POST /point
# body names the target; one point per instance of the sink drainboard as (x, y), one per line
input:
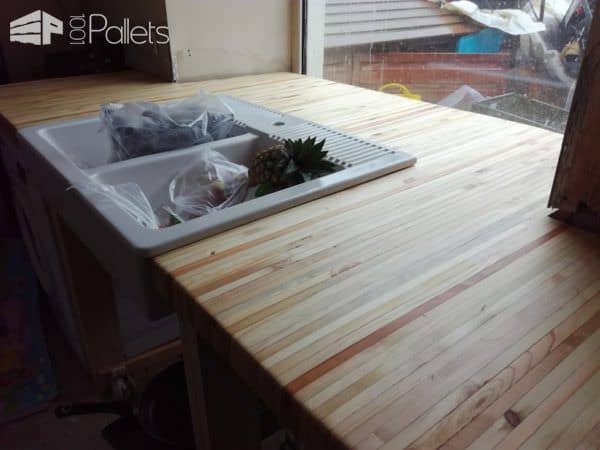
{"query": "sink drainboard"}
(343, 149)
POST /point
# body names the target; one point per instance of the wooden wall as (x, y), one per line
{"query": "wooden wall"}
(576, 190)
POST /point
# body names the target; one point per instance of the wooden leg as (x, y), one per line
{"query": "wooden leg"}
(233, 411)
(195, 383)
(225, 414)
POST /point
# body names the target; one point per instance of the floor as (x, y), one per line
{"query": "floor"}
(42, 431)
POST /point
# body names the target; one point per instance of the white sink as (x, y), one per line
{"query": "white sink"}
(70, 153)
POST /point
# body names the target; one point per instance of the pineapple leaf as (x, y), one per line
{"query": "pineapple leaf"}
(291, 167)
(327, 165)
(263, 189)
(306, 176)
(319, 146)
(308, 154)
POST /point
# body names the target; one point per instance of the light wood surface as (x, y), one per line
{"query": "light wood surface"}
(29, 103)
(431, 308)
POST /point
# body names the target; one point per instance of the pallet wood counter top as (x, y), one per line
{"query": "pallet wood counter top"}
(438, 306)
(435, 307)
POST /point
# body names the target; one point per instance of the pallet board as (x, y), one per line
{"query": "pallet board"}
(438, 306)
(435, 307)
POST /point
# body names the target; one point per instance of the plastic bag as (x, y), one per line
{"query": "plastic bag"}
(462, 98)
(143, 128)
(209, 183)
(128, 197)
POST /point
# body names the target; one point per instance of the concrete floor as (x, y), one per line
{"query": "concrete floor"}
(42, 431)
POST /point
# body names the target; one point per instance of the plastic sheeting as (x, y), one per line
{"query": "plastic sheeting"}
(511, 21)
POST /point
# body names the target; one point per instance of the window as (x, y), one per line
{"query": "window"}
(514, 59)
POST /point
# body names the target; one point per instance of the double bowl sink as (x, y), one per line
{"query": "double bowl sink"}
(72, 153)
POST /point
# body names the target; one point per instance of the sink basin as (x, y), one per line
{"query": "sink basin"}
(71, 153)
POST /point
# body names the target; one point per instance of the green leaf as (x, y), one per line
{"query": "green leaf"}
(263, 189)
(307, 155)
(306, 176)
(327, 165)
(173, 219)
(320, 146)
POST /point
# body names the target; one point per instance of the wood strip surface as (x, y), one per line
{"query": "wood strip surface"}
(416, 311)
(437, 307)
(422, 309)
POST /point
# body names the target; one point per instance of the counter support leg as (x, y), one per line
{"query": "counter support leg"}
(195, 383)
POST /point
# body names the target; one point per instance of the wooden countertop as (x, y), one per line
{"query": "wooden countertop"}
(438, 306)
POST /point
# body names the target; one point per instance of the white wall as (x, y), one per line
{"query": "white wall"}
(219, 38)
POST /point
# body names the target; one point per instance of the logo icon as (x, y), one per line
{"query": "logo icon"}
(35, 28)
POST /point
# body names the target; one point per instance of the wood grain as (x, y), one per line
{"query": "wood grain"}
(416, 310)
(413, 311)
(576, 190)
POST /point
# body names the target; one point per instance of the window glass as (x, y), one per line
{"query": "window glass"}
(515, 59)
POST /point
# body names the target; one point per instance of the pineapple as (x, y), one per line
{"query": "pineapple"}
(269, 165)
(290, 163)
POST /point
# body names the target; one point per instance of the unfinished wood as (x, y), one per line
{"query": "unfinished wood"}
(24, 104)
(90, 296)
(225, 414)
(195, 381)
(576, 190)
(142, 368)
(411, 311)
(92, 301)
(415, 311)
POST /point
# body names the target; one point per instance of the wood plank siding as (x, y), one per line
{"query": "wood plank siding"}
(353, 22)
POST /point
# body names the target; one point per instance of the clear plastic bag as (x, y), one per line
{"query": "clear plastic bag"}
(128, 197)
(462, 98)
(143, 128)
(209, 183)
